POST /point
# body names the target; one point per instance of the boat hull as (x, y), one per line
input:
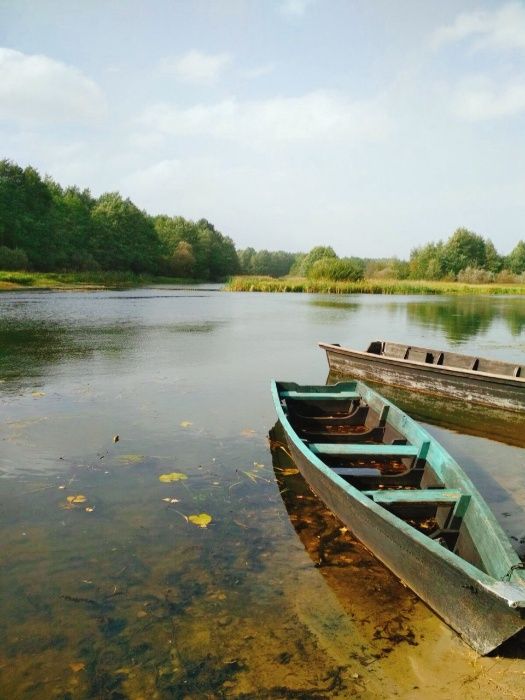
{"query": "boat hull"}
(465, 385)
(459, 599)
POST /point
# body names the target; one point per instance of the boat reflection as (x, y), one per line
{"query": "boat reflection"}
(387, 612)
(507, 427)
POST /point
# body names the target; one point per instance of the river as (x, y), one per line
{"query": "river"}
(111, 588)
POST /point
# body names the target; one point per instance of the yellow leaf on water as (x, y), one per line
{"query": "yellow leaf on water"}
(202, 520)
(248, 432)
(289, 471)
(131, 459)
(77, 666)
(173, 476)
(38, 394)
(186, 424)
(76, 499)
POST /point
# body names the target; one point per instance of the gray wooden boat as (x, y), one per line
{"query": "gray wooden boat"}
(465, 377)
(409, 502)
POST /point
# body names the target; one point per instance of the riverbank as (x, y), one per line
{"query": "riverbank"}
(83, 280)
(367, 286)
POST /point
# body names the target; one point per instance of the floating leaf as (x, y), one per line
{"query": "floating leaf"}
(258, 465)
(186, 424)
(76, 499)
(89, 509)
(248, 432)
(131, 459)
(38, 394)
(116, 438)
(171, 500)
(202, 520)
(173, 476)
(77, 666)
(290, 471)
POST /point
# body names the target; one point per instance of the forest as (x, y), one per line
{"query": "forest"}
(47, 227)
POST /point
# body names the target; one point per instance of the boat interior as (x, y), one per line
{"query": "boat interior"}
(456, 360)
(359, 443)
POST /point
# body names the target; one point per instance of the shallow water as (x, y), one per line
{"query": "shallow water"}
(120, 595)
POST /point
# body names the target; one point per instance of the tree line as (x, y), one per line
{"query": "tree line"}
(44, 226)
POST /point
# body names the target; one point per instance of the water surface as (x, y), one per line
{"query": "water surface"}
(120, 595)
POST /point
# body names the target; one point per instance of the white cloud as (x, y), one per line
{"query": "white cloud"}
(258, 71)
(315, 116)
(294, 8)
(480, 98)
(35, 88)
(197, 67)
(503, 28)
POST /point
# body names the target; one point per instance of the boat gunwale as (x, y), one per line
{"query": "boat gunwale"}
(431, 368)
(513, 595)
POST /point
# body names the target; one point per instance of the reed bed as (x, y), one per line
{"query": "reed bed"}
(82, 280)
(367, 286)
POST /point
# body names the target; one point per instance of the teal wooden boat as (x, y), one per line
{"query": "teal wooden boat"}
(409, 502)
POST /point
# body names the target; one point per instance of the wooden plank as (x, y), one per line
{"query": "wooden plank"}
(439, 497)
(334, 448)
(384, 415)
(356, 471)
(323, 396)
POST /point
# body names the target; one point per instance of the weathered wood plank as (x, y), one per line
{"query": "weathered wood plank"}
(439, 497)
(334, 448)
(324, 396)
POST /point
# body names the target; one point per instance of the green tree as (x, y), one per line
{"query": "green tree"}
(123, 237)
(25, 206)
(515, 261)
(427, 262)
(317, 253)
(464, 249)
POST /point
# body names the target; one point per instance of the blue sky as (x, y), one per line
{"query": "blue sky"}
(372, 126)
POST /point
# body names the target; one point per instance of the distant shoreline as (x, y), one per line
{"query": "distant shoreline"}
(367, 286)
(83, 281)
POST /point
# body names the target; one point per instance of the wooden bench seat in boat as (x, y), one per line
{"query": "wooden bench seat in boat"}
(440, 497)
(455, 500)
(370, 450)
(324, 396)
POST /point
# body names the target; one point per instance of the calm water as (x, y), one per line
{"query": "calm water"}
(118, 594)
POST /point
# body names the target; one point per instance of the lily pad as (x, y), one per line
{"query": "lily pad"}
(173, 476)
(201, 520)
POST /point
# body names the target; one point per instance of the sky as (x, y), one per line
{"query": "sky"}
(372, 126)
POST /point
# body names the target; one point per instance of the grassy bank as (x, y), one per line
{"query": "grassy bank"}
(82, 280)
(368, 286)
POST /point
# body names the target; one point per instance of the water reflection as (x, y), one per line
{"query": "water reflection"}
(461, 318)
(30, 347)
(461, 416)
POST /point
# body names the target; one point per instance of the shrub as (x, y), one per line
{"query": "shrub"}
(344, 269)
(475, 275)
